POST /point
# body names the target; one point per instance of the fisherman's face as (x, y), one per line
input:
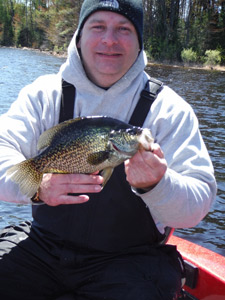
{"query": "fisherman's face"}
(109, 46)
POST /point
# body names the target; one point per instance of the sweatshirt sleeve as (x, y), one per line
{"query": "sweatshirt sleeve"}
(184, 195)
(33, 112)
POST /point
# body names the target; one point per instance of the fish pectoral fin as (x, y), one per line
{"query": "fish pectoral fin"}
(106, 174)
(97, 157)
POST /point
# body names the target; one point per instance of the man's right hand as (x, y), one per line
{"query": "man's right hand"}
(54, 188)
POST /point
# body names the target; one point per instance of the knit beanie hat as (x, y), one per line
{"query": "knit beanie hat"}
(131, 9)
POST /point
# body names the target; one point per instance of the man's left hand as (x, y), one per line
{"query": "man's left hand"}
(146, 168)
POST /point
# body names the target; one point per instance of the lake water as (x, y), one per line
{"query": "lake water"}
(204, 90)
(17, 69)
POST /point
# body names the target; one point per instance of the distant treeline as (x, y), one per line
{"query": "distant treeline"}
(170, 25)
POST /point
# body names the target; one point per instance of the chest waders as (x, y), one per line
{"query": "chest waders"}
(112, 220)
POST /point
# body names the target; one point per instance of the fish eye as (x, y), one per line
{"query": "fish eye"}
(134, 130)
(112, 133)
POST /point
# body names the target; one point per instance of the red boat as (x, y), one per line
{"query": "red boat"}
(205, 271)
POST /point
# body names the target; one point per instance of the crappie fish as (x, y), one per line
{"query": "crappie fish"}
(82, 145)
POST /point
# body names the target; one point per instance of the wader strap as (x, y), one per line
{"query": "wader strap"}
(147, 97)
(67, 101)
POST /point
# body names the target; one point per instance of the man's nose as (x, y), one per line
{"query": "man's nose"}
(110, 37)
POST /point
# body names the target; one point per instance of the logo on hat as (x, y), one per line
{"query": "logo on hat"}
(110, 3)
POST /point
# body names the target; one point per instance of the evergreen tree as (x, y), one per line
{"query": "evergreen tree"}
(170, 25)
(6, 20)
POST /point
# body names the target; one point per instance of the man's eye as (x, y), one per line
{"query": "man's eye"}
(124, 29)
(98, 27)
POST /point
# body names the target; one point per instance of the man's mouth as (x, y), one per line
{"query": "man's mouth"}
(108, 54)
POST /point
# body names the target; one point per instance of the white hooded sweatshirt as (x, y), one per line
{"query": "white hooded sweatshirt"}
(185, 193)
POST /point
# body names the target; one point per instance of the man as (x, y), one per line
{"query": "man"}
(103, 243)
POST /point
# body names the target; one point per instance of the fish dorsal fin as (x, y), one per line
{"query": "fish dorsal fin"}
(48, 135)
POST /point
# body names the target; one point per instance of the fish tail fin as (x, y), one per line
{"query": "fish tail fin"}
(27, 176)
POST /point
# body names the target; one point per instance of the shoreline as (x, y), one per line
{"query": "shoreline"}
(175, 64)
(217, 68)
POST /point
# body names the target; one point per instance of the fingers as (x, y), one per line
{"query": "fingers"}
(67, 199)
(157, 151)
(73, 188)
(55, 188)
(146, 168)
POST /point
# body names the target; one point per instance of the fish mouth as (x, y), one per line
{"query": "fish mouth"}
(121, 148)
(128, 154)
